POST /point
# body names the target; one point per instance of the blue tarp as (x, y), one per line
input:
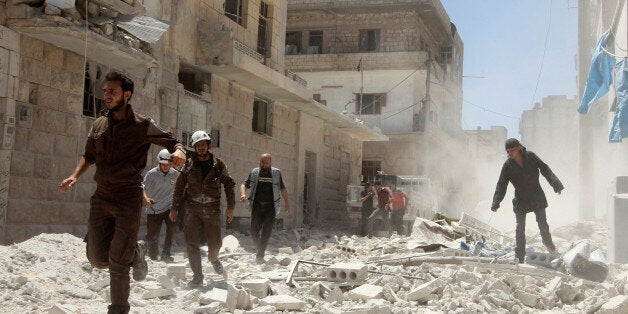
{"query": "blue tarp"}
(619, 128)
(599, 76)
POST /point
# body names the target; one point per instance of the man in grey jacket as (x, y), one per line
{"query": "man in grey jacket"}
(158, 186)
(267, 188)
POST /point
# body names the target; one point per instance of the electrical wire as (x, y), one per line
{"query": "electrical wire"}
(549, 24)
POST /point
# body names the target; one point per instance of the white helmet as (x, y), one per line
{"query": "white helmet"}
(200, 136)
(164, 156)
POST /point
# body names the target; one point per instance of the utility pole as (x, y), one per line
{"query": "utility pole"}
(361, 85)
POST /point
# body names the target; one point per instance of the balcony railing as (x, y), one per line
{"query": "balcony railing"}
(246, 50)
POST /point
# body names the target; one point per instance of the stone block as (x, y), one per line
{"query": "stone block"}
(10, 39)
(283, 302)
(62, 4)
(500, 285)
(5, 61)
(55, 122)
(165, 282)
(65, 146)
(616, 305)
(20, 11)
(421, 292)
(41, 142)
(366, 292)
(258, 287)
(60, 78)
(213, 295)
(176, 270)
(285, 250)
(238, 298)
(349, 272)
(528, 299)
(208, 309)
(43, 167)
(158, 293)
(52, 55)
(22, 164)
(229, 243)
(73, 63)
(48, 97)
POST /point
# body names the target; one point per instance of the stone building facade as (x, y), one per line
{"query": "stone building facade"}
(409, 81)
(207, 68)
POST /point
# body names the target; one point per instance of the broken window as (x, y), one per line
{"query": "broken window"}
(92, 95)
(234, 9)
(293, 43)
(264, 31)
(315, 45)
(261, 116)
(369, 40)
(193, 80)
(370, 169)
(186, 138)
(370, 103)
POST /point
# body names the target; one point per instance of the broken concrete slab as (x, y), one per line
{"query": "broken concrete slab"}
(176, 270)
(64, 309)
(366, 292)
(165, 282)
(237, 298)
(528, 299)
(421, 292)
(158, 293)
(283, 302)
(257, 287)
(213, 295)
(616, 305)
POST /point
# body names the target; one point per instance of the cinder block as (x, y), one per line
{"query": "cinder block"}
(352, 272)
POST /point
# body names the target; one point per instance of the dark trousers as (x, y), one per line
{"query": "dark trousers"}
(364, 223)
(520, 231)
(114, 221)
(396, 221)
(153, 229)
(262, 220)
(202, 219)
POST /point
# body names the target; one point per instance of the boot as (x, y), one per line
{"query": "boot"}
(140, 266)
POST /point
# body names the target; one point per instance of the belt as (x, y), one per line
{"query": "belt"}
(263, 203)
(203, 200)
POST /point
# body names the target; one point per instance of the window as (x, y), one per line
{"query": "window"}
(215, 136)
(370, 169)
(315, 45)
(186, 138)
(373, 103)
(317, 97)
(92, 94)
(261, 116)
(234, 9)
(369, 40)
(264, 31)
(193, 80)
(293, 43)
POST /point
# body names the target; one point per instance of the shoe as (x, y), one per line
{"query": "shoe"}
(118, 309)
(551, 248)
(196, 282)
(260, 260)
(519, 260)
(140, 266)
(167, 258)
(217, 267)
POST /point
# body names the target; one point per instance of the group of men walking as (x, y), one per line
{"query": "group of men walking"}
(118, 145)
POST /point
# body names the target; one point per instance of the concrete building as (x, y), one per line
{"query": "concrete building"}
(603, 166)
(409, 82)
(549, 129)
(215, 65)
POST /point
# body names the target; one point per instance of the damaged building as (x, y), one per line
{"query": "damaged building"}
(212, 65)
(395, 66)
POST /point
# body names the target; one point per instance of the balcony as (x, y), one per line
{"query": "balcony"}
(349, 61)
(222, 55)
(96, 37)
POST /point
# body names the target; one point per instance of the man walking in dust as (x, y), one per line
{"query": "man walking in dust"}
(522, 170)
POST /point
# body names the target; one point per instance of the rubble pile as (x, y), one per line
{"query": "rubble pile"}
(307, 270)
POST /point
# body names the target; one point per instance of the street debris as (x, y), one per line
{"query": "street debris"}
(323, 270)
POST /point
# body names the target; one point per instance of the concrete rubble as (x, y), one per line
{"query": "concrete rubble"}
(49, 274)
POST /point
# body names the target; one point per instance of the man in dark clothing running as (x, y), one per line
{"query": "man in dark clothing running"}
(267, 189)
(118, 145)
(522, 170)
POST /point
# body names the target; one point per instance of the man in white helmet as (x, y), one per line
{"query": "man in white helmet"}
(158, 187)
(198, 191)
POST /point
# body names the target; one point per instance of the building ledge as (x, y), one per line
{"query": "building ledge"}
(349, 61)
(73, 38)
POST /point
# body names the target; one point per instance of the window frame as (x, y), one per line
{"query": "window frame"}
(374, 106)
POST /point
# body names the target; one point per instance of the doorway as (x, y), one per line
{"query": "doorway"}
(310, 204)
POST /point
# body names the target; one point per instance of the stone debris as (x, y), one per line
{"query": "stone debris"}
(49, 273)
